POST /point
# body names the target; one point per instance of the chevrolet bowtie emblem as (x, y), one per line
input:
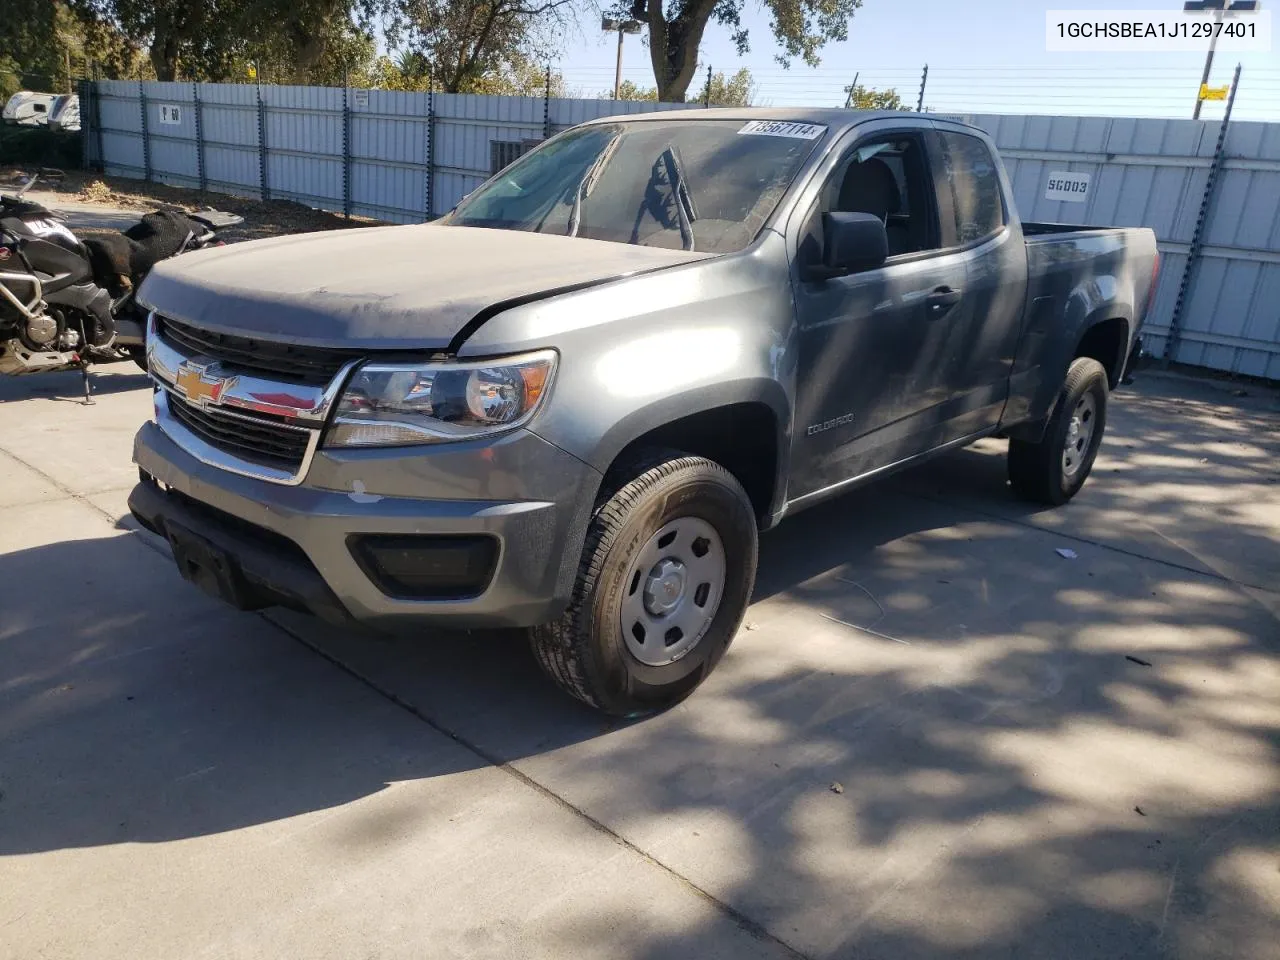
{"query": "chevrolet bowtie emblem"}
(201, 384)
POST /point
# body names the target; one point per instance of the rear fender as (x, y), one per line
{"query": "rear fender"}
(1056, 327)
(1043, 396)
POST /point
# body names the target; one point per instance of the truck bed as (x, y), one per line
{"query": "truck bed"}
(1034, 229)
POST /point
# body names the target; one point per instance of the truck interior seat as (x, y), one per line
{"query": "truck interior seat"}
(870, 187)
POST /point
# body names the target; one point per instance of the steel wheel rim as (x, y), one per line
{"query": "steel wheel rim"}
(672, 591)
(1084, 421)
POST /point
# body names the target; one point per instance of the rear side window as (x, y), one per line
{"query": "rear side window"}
(975, 186)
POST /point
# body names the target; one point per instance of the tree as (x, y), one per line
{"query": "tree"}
(631, 91)
(736, 91)
(800, 27)
(45, 46)
(521, 77)
(344, 54)
(865, 98)
(28, 49)
(198, 37)
(466, 41)
(296, 40)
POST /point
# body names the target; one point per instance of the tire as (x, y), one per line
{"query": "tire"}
(138, 355)
(632, 566)
(1049, 471)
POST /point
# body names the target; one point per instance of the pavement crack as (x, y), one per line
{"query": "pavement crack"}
(60, 487)
(751, 927)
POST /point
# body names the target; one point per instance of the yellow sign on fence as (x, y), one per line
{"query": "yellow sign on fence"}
(1213, 93)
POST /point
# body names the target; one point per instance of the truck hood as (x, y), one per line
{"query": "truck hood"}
(382, 287)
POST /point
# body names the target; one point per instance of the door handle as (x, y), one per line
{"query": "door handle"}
(941, 300)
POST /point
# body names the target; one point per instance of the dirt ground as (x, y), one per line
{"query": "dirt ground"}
(268, 218)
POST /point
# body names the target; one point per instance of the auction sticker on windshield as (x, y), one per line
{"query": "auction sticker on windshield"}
(783, 128)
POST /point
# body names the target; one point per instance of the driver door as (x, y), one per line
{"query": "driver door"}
(872, 376)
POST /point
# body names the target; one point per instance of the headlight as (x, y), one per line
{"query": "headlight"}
(391, 405)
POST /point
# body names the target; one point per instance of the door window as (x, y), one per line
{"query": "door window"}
(889, 178)
(974, 182)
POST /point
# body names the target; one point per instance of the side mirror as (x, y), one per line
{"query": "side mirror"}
(850, 241)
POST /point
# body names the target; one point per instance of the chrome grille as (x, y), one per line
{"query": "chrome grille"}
(267, 443)
(297, 364)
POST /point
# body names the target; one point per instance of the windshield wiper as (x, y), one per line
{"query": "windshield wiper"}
(686, 212)
(589, 181)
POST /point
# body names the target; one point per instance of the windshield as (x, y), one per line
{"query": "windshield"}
(706, 185)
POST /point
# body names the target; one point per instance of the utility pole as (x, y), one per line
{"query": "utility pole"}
(1221, 10)
(623, 27)
(708, 103)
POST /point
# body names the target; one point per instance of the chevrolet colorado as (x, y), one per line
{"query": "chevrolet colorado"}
(572, 403)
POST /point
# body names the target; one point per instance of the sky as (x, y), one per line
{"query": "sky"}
(985, 56)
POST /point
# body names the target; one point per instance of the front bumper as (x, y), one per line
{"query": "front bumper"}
(291, 544)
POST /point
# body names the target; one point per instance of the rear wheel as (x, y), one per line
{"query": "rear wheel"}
(664, 581)
(1053, 470)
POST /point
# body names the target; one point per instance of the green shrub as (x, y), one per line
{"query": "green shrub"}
(39, 146)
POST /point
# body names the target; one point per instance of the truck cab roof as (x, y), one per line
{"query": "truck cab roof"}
(836, 119)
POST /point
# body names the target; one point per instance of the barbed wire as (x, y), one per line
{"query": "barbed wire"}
(1156, 91)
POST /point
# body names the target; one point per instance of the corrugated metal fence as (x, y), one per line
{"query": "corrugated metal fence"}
(387, 154)
(405, 157)
(1153, 173)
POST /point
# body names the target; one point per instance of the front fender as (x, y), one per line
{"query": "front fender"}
(641, 352)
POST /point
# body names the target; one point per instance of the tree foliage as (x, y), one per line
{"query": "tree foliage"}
(627, 90)
(177, 34)
(859, 97)
(736, 91)
(470, 43)
(343, 54)
(27, 57)
(44, 46)
(800, 28)
(296, 41)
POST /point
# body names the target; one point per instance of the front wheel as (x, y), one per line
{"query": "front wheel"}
(664, 581)
(1053, 470)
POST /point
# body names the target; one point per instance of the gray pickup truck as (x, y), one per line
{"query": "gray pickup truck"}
(572, 404)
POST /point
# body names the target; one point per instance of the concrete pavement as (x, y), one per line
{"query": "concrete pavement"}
(936, 736)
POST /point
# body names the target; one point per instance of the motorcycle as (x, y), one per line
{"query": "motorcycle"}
(66, 303)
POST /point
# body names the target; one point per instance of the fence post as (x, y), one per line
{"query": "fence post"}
(97, 127)
(263, 187)
(546, 107)
(924, 79)
(431, 140)
(848, 101)
(196, 112)
(146, 133)
(346, 148)
(1197, 236)
(87, 125)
